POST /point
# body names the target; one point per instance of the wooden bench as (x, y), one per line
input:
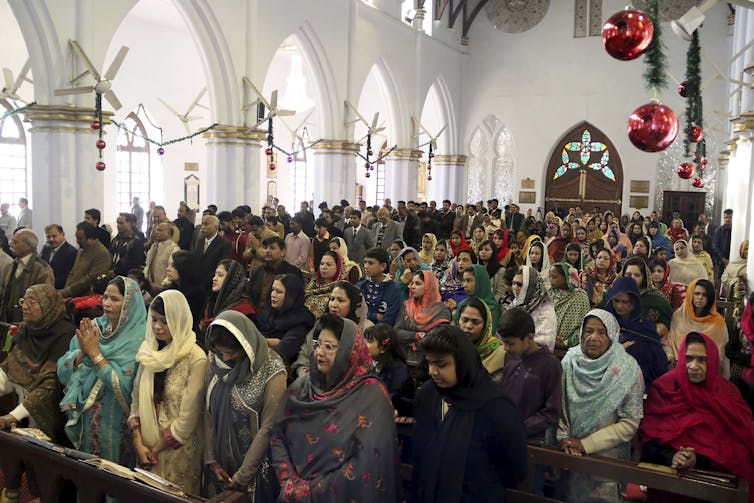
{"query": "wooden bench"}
(92, 484)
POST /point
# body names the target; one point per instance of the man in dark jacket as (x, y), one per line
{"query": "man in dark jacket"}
(185, 226)
(92, 216)
(260, 281)
(126, 249)
(59, 253)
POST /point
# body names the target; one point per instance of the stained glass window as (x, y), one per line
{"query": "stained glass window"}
(12, 158)
(582, 151)
(133, 171)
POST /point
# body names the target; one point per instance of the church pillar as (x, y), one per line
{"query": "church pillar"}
(402, 174)
(64, 180)
(448, 179)
(235, 174)
(741, 167)
(335, 171)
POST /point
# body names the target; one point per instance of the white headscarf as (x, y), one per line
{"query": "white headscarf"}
(152, 360)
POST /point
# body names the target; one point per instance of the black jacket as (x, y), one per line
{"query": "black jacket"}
(256, 280)
(219, 249)
(61, 263)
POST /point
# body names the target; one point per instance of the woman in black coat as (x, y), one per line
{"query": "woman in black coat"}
(184, 274)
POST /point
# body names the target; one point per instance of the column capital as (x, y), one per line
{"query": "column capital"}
(405, 153)
(449, 160)
(64, 118)
(335, 147)
(743, 122)
(235, 135)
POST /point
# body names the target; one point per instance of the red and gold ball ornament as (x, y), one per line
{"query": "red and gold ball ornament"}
(627, 34)
(697, 182)
(101, 144)
(683, 89)
(95, 125)
(685, 170)
(652, 127)
(697, 133)
(100, 166)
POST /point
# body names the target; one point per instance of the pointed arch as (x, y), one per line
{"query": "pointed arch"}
(441, 91)
(584, 168)
(491, 161)
(390, 92)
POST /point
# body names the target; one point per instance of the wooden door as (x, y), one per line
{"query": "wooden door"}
(585, 170)
(688, 204)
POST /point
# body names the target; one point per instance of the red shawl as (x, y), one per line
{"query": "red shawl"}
(710, 417)
(464, 244)
(747, 327)
(503, 251)
(425, 311)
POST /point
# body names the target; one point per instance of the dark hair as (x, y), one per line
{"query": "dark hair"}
(378, 254)
(642, 265)
(443, 340)
(386, 339)
(119, 284)
(225, 216)
(692, 337)
(476, 303)
(54, 226)
(212, 207)
(331, 322)
(94, 213)
(442, 242)
(90, 231)
(709, 289)
(256, 220)
(128, 217)
(186, 265)
(99, 284)
(516, 322)
(271, 218)
(158, 306)
(400, 243)
(274, 240)
(728, 212)
(138, 273)
(298, 220)
(237, 213)
(355, 212)
(218, 335)
(321, 222)
(657, 262)
(468, 251)
(354, 297)
(23, 200)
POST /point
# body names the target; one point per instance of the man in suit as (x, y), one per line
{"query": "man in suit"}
(385, 231)
(211, 250)
(24, 216)
(358, 238)
(59, 253)
(185, 226)
(307, 219)
(26, 270)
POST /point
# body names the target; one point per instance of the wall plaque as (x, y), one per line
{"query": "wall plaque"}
(526, 197)
(191, 166)
(641, 186)
(527, 183)
(638, 202)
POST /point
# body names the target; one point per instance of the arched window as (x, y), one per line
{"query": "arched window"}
(490, 162)
(12, 157)
(132, 177)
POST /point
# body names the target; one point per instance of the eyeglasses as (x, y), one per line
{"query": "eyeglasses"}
(518, 284)
(31, 302)
(326, 346)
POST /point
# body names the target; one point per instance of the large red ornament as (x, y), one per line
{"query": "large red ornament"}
(652, 127)
(697, 133)
(95, 125)
(685, 170)
(683, 89)
(100, 166)
(627, 34)
(697, 182)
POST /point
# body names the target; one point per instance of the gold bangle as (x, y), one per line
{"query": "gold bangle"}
(98, 358)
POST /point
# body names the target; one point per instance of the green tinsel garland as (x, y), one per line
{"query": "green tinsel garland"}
(694, 114)
(655, 76)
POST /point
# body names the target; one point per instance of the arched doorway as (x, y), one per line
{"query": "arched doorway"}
(585, 170)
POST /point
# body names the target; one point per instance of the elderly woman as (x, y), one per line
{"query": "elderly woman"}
(602, 403)
(29, 370)
(245, 384)
(166, 403)
(571, 303)
(98, 373)
(531, 294)
(335, 439)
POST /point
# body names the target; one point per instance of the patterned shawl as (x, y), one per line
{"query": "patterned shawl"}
(487, 343)
(686, 270)
(570, 306)
(428, 257)
(348, 264)
(441, 268)
(336, 434)
(533, 292)
(594, 389)
(318, 292)
(232, 290)
(482, 291)
(38, 342)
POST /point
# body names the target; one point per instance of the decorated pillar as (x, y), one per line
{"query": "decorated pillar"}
(402, 174)
(65, 176)
(448, 178)
(235, 168)
(741, 167)
(335, 171)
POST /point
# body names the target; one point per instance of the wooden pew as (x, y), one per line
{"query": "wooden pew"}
(92, 484)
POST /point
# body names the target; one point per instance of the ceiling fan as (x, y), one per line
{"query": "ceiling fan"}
(10, 89)
(186, 118)
(432, 139)
(103, 86)
(266, 109)
(372, 128)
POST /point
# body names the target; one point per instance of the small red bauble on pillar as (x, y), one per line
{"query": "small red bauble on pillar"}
(697, 133)
(685, 170)
(652, 127)
(367, 174)
(272, 166)
(697, 182)
(627, 34)
(95, 125)
(100, 166)
(101, 144)
(268, 151)
(683, 89)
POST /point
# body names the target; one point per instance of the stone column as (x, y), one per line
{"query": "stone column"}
(335, 171)
(64, 180)
(402, 174)
(448, 179)
(235, 170)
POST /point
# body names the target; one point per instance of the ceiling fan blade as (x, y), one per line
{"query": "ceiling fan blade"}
(375, 119)
(196, 101)
(306, 118)
(378, 130)
(274, 100)
(286, 113)
(256, 91)
(87, 62)
(433, 144)
(169, 107)
(115, 65)
(8, 76)
(189, 118)
(285, 124)
(260, 122)
(253, 104)
(22, 74)
(441, 131)
(113, 100)
(74, 90)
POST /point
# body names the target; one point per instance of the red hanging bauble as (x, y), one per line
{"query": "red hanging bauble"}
(703, 162)
(101, 144)
(682, 89)
(697, 182)
(652, 127)
(268, 151)
(366, 165)
(685, 170)
(627, 34)
(271, 166)
(369, 152)
(697, 133)
(429, 177)
(367, 174)
(100, 166)
(95, 125)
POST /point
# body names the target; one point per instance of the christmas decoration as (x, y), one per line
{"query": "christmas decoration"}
(429, 177)
(100, 166)
(682, 89)
(367, 174)
(694, 108)
(272, 166)
(289, 159)
(17, 111)
(698, 183)
(655, 75)
(685, 170)
(697, 133)
(627, 34)
(160, 151)
(652, 127)
(160, 142)
(101, 144)
(268, 150)
(95, 125)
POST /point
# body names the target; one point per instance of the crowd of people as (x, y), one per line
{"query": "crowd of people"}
(272, 353)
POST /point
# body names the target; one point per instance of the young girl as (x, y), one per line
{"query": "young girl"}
(390, 365)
